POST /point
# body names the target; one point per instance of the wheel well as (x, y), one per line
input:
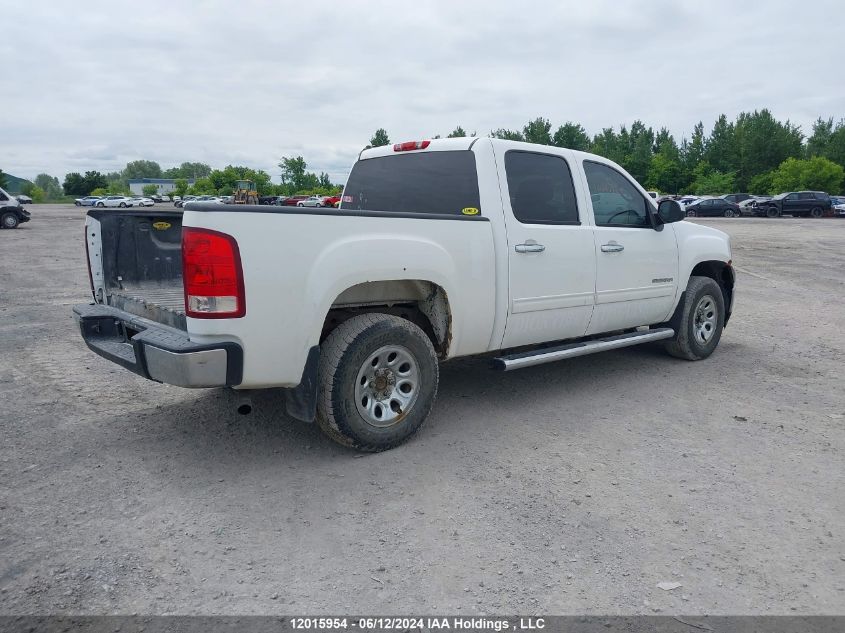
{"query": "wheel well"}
(723, 274)
(421, 302)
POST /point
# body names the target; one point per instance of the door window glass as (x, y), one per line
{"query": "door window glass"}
(616, 201)
(541, 189)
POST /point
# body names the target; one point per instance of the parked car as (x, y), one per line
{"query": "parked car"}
(736, 198)
(267, 199)
(311, 201)
(292, 201)
(212, 199)
(445, 248)
(141, 201)
(653, 194)
(87, 201)
(713, 207)
(838, 205)
(24, 199)
(160, 198)
(12, 212)
(179, 202)
(814, 204)
(686, 200)
(331, 201)
(114, 201)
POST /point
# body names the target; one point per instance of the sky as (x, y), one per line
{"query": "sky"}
(90, 85)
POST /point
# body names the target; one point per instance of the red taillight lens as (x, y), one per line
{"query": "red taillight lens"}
(410, 145)
(212, 274)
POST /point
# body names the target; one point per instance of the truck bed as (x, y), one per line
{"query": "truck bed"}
(141, 262)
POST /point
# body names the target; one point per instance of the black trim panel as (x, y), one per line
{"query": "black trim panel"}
(207, 207)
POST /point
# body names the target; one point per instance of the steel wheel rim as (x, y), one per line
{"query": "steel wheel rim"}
(9, 222)
(387, 386)
(706, 319)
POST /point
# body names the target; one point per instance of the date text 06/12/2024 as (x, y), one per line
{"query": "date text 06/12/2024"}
(423, 623)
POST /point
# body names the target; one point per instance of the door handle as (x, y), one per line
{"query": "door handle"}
(529, 248)
(612, 247)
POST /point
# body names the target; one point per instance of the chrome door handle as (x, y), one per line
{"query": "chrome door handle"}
(529, 248)
(612, 247)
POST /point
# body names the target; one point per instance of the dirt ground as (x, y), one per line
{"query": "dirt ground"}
(573, 487)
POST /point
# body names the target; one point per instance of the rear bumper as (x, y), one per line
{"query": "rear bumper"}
(156, 351)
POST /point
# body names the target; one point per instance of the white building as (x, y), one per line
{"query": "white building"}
(164, 185)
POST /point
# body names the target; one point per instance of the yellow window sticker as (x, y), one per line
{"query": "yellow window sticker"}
(469, 211)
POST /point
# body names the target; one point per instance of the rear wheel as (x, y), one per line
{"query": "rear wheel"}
(702, 320)
(9, 221)
(816, 212)
(377, 384)
(100, 204)
(78, 204)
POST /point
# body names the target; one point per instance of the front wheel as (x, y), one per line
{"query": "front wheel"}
(9, 221)
(816, 212)
(772, 212)
(691, 213)
(702, 320)
(100, 204)
(377, 383)
(78, 204)
(122, 205)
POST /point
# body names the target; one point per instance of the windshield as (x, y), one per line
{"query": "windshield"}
(424, 182)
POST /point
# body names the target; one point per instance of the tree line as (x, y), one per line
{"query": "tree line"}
(755, 153)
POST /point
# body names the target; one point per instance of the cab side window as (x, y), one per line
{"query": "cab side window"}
(541, 189)
(616, 201)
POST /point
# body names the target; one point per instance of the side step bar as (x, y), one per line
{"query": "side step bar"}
(571, 350)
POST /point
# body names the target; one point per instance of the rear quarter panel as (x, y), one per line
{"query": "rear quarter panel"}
(295, 265)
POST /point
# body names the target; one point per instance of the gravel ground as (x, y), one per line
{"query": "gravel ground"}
(574, 487)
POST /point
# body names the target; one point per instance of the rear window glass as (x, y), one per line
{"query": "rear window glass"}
(541, 189)
(423, 182)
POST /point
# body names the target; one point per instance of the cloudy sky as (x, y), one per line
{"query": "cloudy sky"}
(93, 85)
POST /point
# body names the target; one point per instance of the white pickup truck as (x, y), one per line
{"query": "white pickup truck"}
(440, 249)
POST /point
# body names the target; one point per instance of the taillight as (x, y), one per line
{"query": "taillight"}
(212, 275)
(410, 145)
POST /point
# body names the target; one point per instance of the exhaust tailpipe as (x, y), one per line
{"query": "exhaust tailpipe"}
(244, 406)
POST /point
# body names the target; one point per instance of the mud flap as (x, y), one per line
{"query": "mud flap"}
(301, 401)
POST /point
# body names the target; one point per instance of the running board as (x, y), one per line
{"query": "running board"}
(571, 350)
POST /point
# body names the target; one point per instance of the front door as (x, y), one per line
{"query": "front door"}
(637, 266)
(551, 256)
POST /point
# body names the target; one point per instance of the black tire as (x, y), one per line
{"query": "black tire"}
(686, 344)
(100, 204)
(816, 212)
(78, 204)
(691, 213)
(343, 356)
(122, 205)
(9, 221)
(772, 212)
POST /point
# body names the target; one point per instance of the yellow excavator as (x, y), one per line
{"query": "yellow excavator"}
(245, 193)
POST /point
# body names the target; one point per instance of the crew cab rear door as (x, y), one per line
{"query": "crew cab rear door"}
(551, 257)
(636, 266)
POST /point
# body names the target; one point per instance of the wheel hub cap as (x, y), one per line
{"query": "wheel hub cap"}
(387, 385)
(706, 319)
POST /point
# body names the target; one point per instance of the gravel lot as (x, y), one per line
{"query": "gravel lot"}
(575, 487)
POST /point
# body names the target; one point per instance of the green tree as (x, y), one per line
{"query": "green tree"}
(458, 132)
(761, 184)
(4, 181)
(607, 144)
(637, 158)
(293, 171)
(763, 143)
(816, 174)
(180, 187)
(835, 150)
(538, 131)
(188, 170)
(508, 135)
(665, 174)
(117, 187)
(709, 181)
(572, 136)
(380, 138)
(33, 191)
(149, 190)
(74, 185)
(141, 169)
(692, 151)
(818, 142)
(50, 185)
(721, 150)
(92, 180)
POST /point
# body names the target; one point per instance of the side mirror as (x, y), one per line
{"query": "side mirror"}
(670, 211)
